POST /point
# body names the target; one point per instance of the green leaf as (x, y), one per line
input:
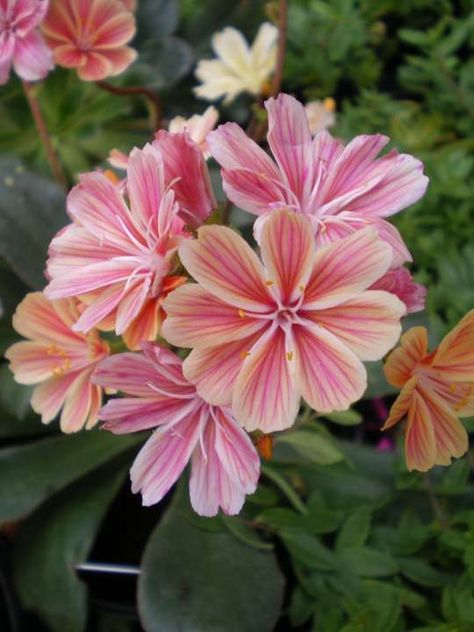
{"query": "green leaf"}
(14, 397)
(306, 446)
(162, 64)
(245, 533)
(308, 550)
(421, 572)
(198, 581)
(53, 541)
(156, 19)
(355, 530)
(368, 562)
(345, 417)
(281, 518)
(301, 607)
(32, 208)
(458, 604)
(321, 518)
(29, 474)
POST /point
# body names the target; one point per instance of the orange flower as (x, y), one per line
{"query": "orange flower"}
(437, 388)
(91, 35)
(58, 360)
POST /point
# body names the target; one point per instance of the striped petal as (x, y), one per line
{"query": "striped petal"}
(455, 355)
(77, 407)
(401, 405)
(288, 253)
(214, 370)
(451, 438)
(420, 445)
(224, 470)
(134, 414)
(329, 375)
(291, 144)
(265, 395)
(162, 459)
(368, 324)
(400, 363)
(48, 397)
(197, 318)
(225, 265)
(345, 268)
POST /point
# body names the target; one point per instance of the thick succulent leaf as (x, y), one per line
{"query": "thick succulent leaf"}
(195, 580)
(54, 540)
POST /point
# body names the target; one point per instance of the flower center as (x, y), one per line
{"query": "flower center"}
(285, 317)
(60, 360)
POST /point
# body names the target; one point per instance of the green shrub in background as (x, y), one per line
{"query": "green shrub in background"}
(339, 537)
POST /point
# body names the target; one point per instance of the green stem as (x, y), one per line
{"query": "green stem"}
(285, 488)
(51, 155)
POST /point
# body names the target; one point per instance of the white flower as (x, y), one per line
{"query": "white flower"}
(239, 68)
(198, 127)
(321, 114)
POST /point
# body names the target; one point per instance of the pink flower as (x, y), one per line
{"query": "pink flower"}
(91, 35)
(21, 45)
(60, 361)
(224, 463)
(198, 127)
(400, 282)
(299, 324)
(118, 259)
(340, 188)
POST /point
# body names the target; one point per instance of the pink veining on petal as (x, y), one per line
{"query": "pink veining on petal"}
(21, 44)
(400, 283)
(91, 35)
(320, 178)
(118, 255)
(224, 463)
(59, 361)
(263, 335)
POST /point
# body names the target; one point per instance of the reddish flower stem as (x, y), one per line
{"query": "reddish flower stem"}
(51, 155)
(153, 99)
(282, 33)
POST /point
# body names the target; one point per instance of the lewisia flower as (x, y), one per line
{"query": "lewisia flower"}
(437, 388)
(239, 68)
(321, 115)
(298, 324)
(198, 127)
(91, 35)
(21, 45)
(60, 361)
(224, 463)
(117, 259)
(340, 188)
(400, 282)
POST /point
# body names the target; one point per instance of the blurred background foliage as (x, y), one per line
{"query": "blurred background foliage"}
(339, 536)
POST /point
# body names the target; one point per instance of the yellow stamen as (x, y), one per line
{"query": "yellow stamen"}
(289, 355)
(268, 282)
(329, 104)
(244, 354)
(241, 313)
(301, 288)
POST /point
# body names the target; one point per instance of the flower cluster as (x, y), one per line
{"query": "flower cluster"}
(21, 44)
(91, 36)
(326, 292)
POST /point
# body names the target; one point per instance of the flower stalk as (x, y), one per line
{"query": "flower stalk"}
(152, 98)
(51, 154)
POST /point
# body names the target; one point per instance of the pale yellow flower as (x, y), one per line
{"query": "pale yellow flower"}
(321, 114)
(238, 67)
(198, 127)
